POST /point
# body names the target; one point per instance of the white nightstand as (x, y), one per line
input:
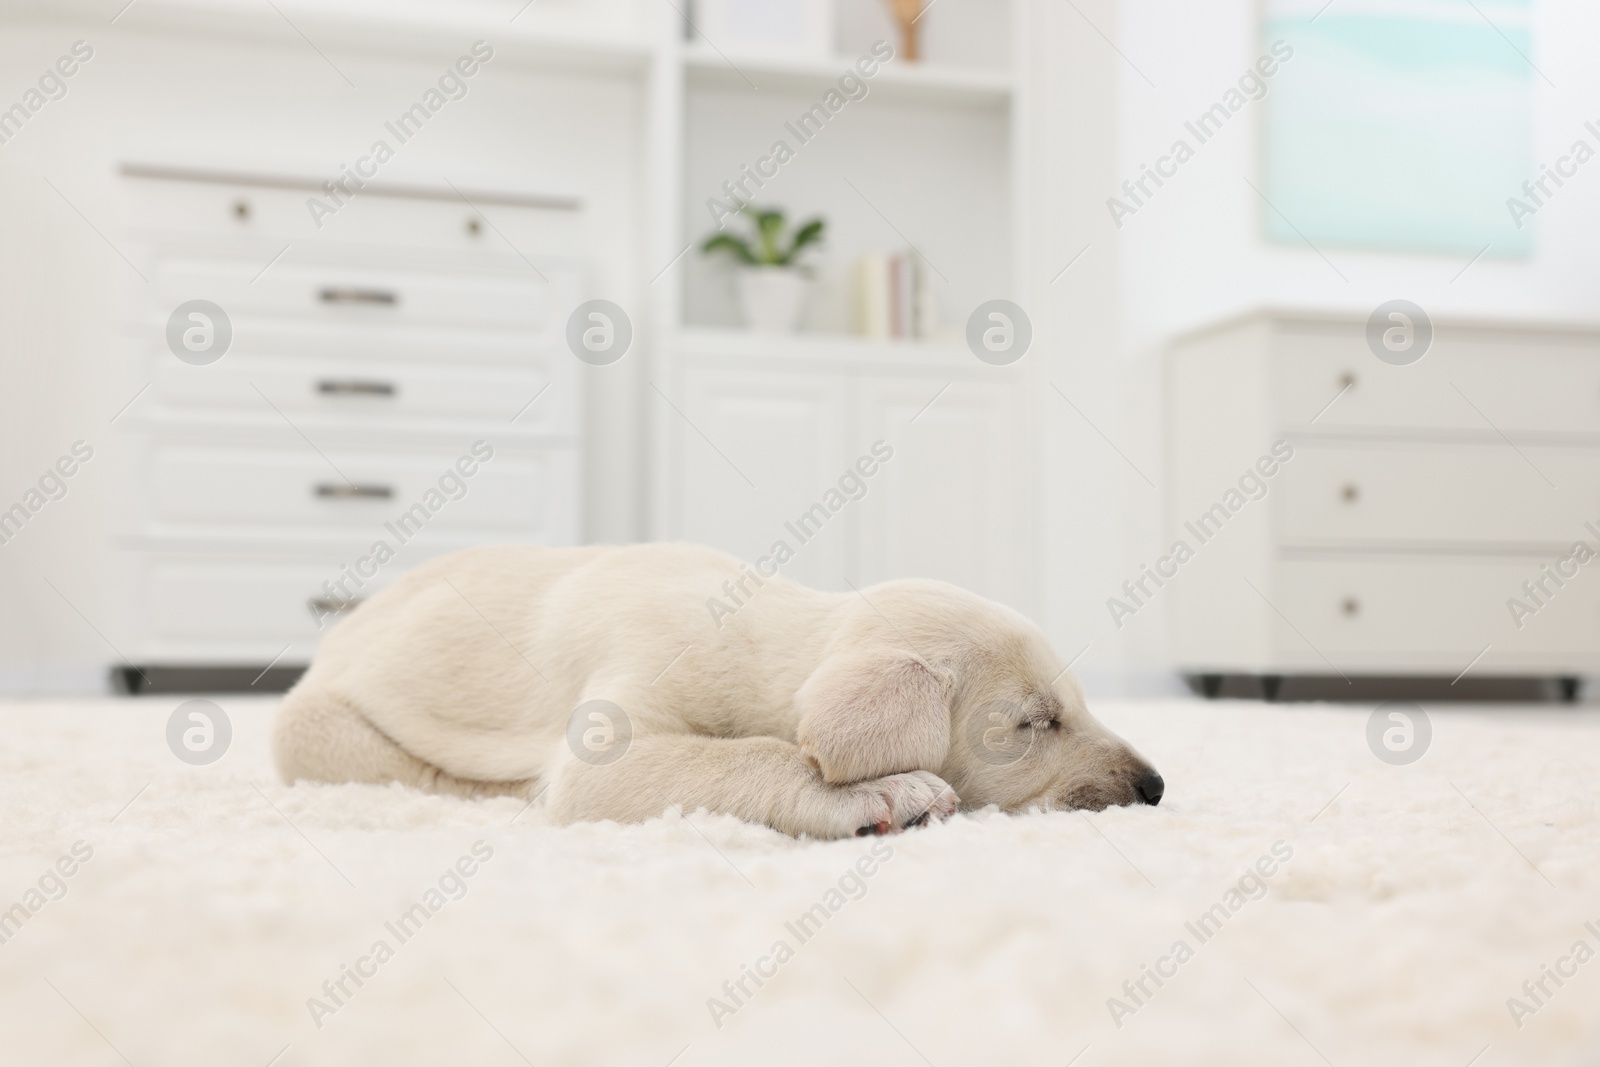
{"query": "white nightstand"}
(1418, 501)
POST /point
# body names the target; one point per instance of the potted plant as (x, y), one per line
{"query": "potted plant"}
(770, 278)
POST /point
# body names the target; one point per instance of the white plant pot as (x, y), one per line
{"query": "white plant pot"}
(772, 298)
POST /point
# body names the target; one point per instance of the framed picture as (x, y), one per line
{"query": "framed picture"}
(1401, 125)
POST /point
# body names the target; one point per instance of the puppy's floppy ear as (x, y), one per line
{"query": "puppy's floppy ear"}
(867, 713)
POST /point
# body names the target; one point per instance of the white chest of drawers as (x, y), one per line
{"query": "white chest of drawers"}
(1422, 504)
(398, 377)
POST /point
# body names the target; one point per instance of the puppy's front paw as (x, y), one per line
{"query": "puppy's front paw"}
(900, 801)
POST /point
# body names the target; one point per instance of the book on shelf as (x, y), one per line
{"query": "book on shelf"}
(894, 298)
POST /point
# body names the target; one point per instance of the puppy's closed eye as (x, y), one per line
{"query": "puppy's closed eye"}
(1041, 711)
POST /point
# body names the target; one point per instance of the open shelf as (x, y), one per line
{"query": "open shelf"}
(945, 85)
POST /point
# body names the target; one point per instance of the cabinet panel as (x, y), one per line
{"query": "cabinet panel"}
(759, 452)
(953, 503)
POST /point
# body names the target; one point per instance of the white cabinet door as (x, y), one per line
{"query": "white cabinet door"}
(755, 452)
(953, 502)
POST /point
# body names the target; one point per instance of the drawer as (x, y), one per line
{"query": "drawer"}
(366, 392)
(1444, 494)
(1469, 381)
(196, 490)
(1432, 612)
(218, 609)
(492, 225)
(345, 295)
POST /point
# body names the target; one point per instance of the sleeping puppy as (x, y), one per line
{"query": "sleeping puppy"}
(618, 682)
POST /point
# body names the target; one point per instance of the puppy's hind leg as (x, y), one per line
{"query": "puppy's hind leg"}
(320, 738)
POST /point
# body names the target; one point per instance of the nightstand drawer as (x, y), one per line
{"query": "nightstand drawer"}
(1484, 382)
(1436, 494)
(198, 490)
(346, 295)
(244, 609)
(1434, 611)
(439, 220)
(367, 393)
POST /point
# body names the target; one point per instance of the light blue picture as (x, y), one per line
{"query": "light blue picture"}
(1401, 125)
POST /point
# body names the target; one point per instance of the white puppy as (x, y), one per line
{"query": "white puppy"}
(599, 677)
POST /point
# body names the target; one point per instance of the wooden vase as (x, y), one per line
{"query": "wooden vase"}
(906, 13)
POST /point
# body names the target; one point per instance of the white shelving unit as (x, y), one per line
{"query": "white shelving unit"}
(793, 408)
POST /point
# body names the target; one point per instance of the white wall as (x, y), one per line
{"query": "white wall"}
(1195, 254)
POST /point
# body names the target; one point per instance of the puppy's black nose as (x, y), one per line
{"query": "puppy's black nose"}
(1151, 787)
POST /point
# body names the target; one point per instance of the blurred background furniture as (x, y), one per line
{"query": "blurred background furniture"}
(1419, 501)
(751, 430)
(371, 350)
(366, 361)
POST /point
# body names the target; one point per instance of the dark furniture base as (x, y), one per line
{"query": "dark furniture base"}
(1371, 687)
(135, 681)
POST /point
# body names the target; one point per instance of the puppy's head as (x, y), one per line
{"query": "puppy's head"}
(1020, 741)
(1020, 732)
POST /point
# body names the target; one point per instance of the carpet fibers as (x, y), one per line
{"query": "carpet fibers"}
(1294, 900)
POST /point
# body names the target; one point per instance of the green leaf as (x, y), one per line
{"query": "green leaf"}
(769, 227)
(809, 234)
(767, 248)
(736, 246)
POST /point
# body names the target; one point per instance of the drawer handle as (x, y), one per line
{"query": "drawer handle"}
(359, 296)
(321, 605)
(1350, 494)
(1350, 606)
(336, 491)
(354, 387)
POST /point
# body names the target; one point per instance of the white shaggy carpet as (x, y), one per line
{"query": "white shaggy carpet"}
(219, 901)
